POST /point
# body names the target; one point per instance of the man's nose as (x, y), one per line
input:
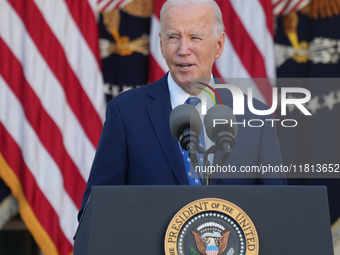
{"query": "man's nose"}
(184, 47)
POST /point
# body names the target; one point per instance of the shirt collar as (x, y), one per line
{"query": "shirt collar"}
(177, 95)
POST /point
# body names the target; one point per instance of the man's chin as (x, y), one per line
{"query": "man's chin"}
(184, 81)
(185, 87)
(190, 89)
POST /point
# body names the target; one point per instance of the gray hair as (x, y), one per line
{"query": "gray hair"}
(218, 25)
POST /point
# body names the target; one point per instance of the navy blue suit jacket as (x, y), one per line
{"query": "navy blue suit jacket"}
(137, 148)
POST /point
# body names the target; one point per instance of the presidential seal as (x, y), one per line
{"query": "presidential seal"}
(211, 226)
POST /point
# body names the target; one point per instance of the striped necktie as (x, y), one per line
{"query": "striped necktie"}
(189, 170)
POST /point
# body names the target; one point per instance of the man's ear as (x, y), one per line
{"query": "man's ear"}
(220, 45)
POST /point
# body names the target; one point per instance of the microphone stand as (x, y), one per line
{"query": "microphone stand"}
(208, 174)
(205, 177)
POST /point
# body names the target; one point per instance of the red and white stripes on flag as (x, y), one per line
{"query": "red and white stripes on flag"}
(52, 108)
(213, 252)
(284, 7)
(109, 5)
(248, 50)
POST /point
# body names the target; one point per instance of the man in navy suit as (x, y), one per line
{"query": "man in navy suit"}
(136, 146)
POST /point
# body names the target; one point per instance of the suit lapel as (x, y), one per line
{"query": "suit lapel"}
(159, 112)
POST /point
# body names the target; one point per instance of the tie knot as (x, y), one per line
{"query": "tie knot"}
(193, 101)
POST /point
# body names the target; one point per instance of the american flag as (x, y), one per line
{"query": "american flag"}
(249, 47)
(52, 108)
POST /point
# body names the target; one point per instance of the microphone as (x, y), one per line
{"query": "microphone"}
(218, 127)
(186, 127)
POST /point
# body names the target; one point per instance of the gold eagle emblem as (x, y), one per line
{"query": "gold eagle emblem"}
(123, 45)
(210, 242)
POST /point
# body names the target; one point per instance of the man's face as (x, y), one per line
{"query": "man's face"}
(188, 44)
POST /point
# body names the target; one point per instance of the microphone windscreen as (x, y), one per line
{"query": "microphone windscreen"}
(184, 116)
(224, 114)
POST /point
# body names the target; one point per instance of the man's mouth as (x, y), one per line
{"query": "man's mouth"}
(184, 66)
